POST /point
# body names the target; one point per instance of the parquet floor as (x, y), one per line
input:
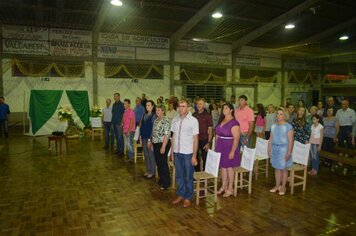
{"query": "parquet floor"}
(92, 192)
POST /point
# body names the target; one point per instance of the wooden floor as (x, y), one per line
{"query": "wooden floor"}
(92, 192)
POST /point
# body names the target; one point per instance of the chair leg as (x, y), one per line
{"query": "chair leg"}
(49, 145)
(235, 184)
(174, 177)
(249, 182)
(291, 183)
(241, 180)
(305, 178)
(215, 189)
(197, 192)
(256, 169)
(205, 187)
(267, 168)
(135, 152)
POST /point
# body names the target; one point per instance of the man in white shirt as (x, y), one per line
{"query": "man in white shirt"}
(345, 118)
(107, 116)
(185, 130)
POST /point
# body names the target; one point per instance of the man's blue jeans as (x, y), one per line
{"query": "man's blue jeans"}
(119, 138)
(129, 144)
(109, 134)
(184, 175)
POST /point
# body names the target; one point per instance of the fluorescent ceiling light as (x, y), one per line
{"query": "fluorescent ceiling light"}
(289, 26)
(117, 3)
(217, 15)
(200, 40)
(344, 37)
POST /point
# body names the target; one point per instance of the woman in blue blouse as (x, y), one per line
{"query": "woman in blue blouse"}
(145, 135)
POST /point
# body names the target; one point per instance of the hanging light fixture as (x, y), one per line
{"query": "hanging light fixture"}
(117, 3)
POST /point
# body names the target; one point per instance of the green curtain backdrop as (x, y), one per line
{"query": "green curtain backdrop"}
(80, 103)
(43, 103)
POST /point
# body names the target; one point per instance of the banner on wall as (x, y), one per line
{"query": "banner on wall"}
(24, 32)
(68, 35)
(203, 52)
(117, 52)
(25, 47)
(133, 40)
(76, 49)
(295, 64)
(248, 61)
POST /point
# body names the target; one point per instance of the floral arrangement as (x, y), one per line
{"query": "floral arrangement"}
(96, 111)
(64, 113)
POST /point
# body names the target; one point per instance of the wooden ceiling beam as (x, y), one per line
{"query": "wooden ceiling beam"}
(271, 24)
(194, 20)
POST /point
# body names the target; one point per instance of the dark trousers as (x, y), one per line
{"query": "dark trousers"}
(267, 135)
(109, 134)
(3, 128)
(201, 155)
(345, 135)
(328, 144)
(162, 164)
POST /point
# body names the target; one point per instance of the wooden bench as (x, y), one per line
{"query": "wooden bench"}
(345, 151)
(336, 157)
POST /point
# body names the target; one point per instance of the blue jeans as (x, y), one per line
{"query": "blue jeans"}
(129, 144)
(242, 139)
(184, 175)
(119, 138)
(314, 153)
(109, 134)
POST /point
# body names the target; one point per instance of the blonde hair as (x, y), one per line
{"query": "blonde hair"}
(183, 100)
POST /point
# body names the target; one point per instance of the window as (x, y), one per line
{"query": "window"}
(204, 91)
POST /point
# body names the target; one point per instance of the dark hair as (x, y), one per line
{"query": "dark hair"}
(222, 116)
(233, 96)
(153, 104)
(301, 121)
(301, 100)
(316, 116)
(117, 94)
(2, 97)
(261, 110)
(127, 100)
(243, 97)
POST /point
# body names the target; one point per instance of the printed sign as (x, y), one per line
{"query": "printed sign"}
(76, 49)
(112, 51)
(69, 35)
(248, 61)
(133, 40)
(24, 32)
(25, 47)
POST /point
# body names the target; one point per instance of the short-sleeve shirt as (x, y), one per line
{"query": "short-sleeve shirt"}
(329, 127)
(243, 116)
(205, 121)
(107, 111)
(184, 130)
(345, 117)
(315, 135)
(128, 115)
(280, 133)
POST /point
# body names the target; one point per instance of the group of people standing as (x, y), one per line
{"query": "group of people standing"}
(186, 131)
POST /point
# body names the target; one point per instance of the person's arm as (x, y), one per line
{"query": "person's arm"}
(210, 138)
(132, 123)
(164, 144)
(195, 150)
(290, 144)
(235, 130)
(172, 147)
(321, 138)
(337, 126)
(269, 145)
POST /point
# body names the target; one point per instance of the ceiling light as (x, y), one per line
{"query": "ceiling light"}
(217, 15)
(200, 40)
(117, 3)
(344, 37)
(289, 26)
